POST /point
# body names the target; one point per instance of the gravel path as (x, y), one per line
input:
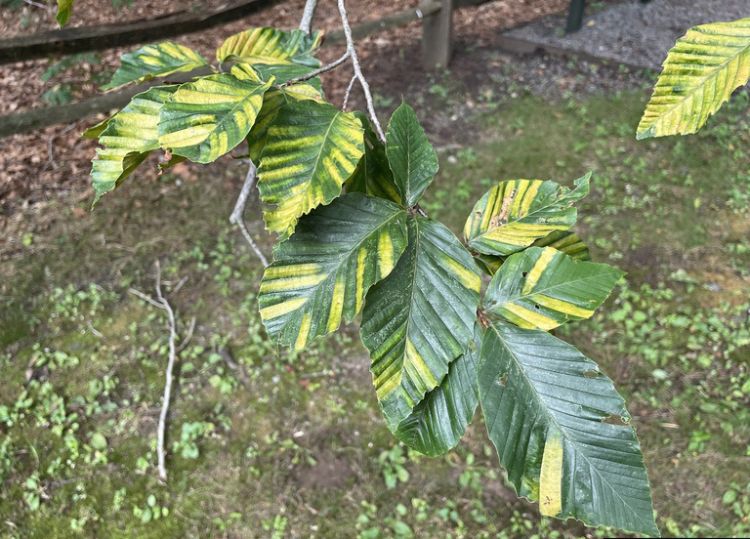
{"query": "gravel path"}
(629, 32)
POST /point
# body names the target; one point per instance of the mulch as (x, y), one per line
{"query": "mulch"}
(53, 164)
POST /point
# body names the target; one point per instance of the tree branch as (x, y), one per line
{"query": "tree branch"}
(307, 16)
(348, 93)
(351, 49)
(239, 208)
(313, 74)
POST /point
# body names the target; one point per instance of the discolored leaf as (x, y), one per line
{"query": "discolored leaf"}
(548, 412)
(420, 319)
(373, 175)
(127, 138)
(64, 10)
(544, 288)
(700, 73)
(311, 150)
(209, 117)
(153, 61)
(321, 274)
(437, 423)
(516, 213)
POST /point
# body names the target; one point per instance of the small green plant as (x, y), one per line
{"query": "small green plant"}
(343, 195)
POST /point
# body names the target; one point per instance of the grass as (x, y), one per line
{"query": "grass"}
(265, 443)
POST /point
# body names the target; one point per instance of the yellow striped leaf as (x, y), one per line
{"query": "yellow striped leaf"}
(273, 53)
(269, 46)
(321, 274)
(311, 150)
(542, 288)
(420, 319)
(516, 213)
(127, 139)
(700, 73)
(440, 419)
(561, 430)
(209, 117)
(565, 241)
(273, 100)
(153, 61)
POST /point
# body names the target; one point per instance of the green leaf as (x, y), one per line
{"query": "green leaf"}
(562, 431)
(153, 61)
(437, 423)
(127, 139)
(311, 150)
(542, 288)
(209, 117)
(420, 318)
(321, 274)
(269, 46)
(273, 100)
(411, 156)
(515, 213)
(700, 73)
(64, 9)
(373, 175)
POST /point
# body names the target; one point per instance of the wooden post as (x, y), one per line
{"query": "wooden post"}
(437, 36)
(575, 16)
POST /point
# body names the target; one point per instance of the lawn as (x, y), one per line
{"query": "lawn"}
(266, 443)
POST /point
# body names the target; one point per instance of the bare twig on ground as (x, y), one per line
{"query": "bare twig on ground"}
(162, 303)
(351, 49)
(239, 208)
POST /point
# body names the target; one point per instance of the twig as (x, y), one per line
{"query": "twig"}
(358, 70)
(348, 92)
(313, 74)
(239, 208)
(161, 429)
(307, 16)
(36, 4)
(188, 336)
(162, 303)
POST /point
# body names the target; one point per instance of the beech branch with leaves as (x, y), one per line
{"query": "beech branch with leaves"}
(343, 197)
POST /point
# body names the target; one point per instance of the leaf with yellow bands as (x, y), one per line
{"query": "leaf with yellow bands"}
(273, 100)
(561, 430)
(127, 138)
(311, 150)
(565, 241)
(542, 288)
(700, 73)
(516, 213)
(64, 10)
(420, 319)
(437, 423)
(321, 274)
(152, 61)
(273, 53)
(210, 116)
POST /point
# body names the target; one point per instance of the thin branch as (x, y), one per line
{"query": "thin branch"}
(36, 4)
(313, 74)
(351, 49)
(162, 427)
(161, 303)
(348, 93)
(307, 16)
(239, 208)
